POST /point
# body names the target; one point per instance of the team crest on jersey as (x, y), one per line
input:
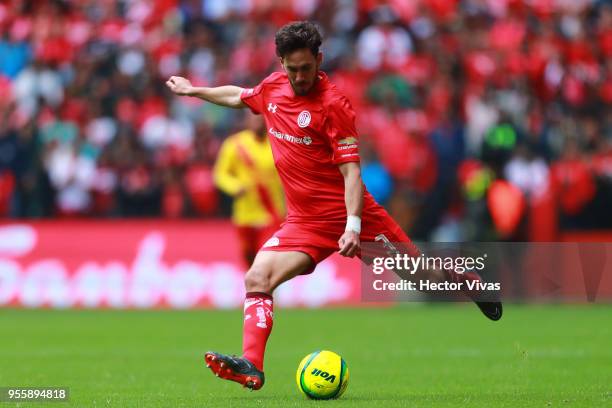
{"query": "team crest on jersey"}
(303, 119)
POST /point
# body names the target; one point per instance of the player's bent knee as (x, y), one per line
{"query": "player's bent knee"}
(257, 279)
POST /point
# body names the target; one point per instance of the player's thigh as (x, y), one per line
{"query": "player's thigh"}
(280, 266)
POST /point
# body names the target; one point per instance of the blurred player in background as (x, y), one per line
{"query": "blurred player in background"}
(315, 145)
(245, 170)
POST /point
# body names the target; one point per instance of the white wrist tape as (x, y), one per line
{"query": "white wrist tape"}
(353, 223)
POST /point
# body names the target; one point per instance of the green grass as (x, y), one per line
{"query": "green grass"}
(416, 356)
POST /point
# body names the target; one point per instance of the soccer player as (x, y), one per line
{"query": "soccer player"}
(245, 170)
(311, 126)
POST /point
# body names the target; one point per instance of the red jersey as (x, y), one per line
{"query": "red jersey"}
(310, 136)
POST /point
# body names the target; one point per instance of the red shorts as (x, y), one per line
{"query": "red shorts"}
(320, 239)
(252, 238)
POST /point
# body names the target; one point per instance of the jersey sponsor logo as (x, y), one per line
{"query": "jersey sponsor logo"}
(303, 119)
(347, 147)
(272, 242)
(272, 107)
(348, 141)
(290, 138)
(349, 155)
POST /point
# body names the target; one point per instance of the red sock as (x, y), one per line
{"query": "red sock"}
(258, 318)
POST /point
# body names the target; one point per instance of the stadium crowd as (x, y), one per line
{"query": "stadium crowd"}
(479, 119)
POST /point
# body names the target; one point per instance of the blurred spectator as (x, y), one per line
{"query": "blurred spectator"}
(383, 44)
(245, 171)
(454, 97)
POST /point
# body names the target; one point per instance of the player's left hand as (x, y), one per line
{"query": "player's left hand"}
(179, 85)
(349, 244)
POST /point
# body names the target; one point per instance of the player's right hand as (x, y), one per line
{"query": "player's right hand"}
(179, 85)
(349, 244)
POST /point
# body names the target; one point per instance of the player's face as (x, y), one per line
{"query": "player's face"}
(302, 68)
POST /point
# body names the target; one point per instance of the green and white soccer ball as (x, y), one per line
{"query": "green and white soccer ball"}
(322, 375)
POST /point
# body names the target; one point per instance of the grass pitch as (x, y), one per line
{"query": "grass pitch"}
(411, 356)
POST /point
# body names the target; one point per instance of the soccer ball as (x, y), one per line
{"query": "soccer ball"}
(322, 375)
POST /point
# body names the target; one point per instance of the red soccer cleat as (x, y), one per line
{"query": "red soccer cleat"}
(236, 369)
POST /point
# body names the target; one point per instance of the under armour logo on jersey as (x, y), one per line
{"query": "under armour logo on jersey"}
(272, 107)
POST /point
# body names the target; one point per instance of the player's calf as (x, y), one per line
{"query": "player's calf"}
(488, 304)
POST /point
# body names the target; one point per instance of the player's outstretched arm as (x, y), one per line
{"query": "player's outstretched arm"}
(227, 95)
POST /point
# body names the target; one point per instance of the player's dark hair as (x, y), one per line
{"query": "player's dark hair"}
(296, 36)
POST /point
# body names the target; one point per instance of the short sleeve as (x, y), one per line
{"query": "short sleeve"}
(253, 98)
(341, 131)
